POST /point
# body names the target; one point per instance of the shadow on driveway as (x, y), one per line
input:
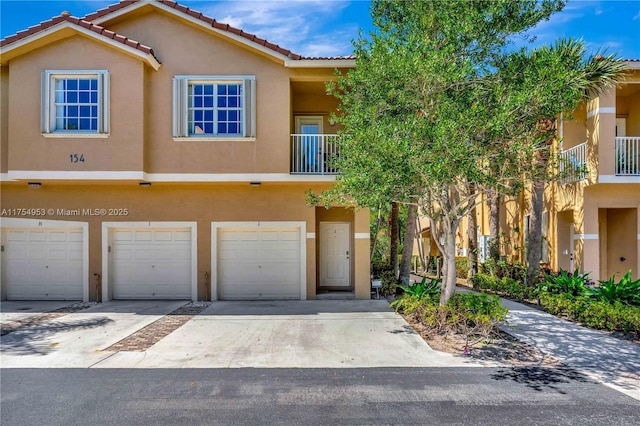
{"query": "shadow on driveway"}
(34, 340)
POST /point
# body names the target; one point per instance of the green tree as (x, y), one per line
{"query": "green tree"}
(416, 113)
(544, 83)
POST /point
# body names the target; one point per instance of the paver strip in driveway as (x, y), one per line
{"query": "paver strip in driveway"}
(40, 318)
(148, 336)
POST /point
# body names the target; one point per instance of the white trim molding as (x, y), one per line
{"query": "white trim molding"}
(73, 175)
(577, 237)
(38, 223)
(14, 175)
(601, 110)
(108, 227)
(618, 179)
(302, 226)
(362, 235)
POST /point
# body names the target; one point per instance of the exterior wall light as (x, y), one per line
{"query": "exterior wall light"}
(34, 184)
(144, 184)
(255, 184)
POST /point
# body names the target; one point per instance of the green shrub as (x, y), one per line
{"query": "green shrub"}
(574, 284)
(389, 283)
(505, 286)
(593, 313)
(378, 268)
(501, 269)
(625, 291)
(475, 315)
(423, 289)
(461, 267)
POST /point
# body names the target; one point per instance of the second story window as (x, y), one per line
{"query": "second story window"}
(75, 103)
(213, 107)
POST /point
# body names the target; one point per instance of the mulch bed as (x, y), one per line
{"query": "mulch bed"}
(502, 348)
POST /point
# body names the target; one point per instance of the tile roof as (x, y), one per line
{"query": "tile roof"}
(86, 23)
(65, 16)
(198, 15)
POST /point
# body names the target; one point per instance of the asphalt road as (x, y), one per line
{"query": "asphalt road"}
(473, 396)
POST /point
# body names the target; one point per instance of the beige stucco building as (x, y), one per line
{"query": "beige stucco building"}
(149, 151)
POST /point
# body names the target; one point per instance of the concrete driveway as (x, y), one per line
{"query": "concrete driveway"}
(295, 334)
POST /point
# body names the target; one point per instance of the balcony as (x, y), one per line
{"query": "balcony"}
(314, 154)
(628, 156)
(573, 164)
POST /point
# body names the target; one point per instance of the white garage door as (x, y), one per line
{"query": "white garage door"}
(151, 263)
(259, 263)
(43, 264)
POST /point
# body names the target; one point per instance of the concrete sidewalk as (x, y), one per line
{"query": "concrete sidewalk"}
(611, 361)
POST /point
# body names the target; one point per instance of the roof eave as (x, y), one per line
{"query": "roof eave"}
(5, 51)
(320, 63)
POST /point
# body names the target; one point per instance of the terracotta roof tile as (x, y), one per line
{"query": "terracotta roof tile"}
(200, 16)
(81, 23)
(86, 23)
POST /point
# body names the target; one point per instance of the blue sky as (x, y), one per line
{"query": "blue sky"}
(326, 27)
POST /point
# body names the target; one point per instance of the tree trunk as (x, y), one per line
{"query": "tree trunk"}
(472, 234)
(407, 247)
(393, 252)
(449, 264)
(494, 225)
(534, 242)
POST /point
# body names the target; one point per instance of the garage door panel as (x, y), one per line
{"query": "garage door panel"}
(44, 264)
(259, 263)
(152, 264)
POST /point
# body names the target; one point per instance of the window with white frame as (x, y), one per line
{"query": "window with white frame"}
(214, 107)
(75, 102)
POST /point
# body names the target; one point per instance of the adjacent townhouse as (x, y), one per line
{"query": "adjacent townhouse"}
(151, 152)
(591, 217)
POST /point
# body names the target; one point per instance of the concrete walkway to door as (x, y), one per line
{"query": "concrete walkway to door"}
(282, 334)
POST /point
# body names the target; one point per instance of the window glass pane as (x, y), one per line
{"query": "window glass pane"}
(72, 124)
(222, 115)
(222, 89)
(197, 89)
(76, 104)
(208, 101)
(233, 115)
(208, 128)
(208, 89)
(208, 115)
(197, 101)
(222, 128)
(233, 128)
(222, 101)
(233, 89)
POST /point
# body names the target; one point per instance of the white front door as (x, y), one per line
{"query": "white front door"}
(43, 264)
(335, 254)
(151, 263)
(621, 127)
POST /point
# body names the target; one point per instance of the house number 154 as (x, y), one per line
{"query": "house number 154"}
(76, 158)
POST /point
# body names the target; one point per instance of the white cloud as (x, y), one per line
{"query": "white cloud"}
(637, 16)
(295, 25)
